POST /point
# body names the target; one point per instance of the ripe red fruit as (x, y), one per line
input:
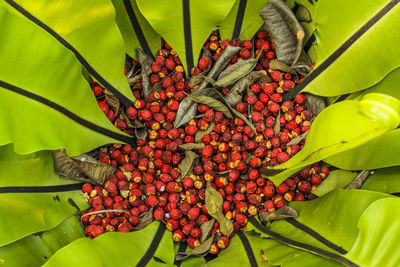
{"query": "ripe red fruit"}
(203, 63)
(282, 157)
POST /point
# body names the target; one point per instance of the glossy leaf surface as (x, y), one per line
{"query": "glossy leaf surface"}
(37, 63)
(205, 15)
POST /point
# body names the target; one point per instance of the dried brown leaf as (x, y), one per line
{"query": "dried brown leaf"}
(145, 61)
(198, 251)
(214, 202)
(358, 181)
(280, 214)
(297, 139)
(145, 220)
(83, 168)
(141, 133)
(196, 79)
(286, 32)
(186, 165)
(190, 146)
(199, 135)
(275, 64)
(235, 72)
(112, 101)
(212, 103)
(277, 126)
(135, 79)
(315, 103)
(188, 108)
(235, 94)
(206, 230)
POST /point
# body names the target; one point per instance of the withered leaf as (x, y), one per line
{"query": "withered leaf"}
(145, 61)
(358, 181)
(135, 79)
(266, 172)
(141, 133)
(277, 126)
(207, 54)
(275, 64)
(212, 103)
(126, 119)
(297, 139)
(214, 202)
(286, 32)
(145, 220)
(188, 108)
(240, 115)
(190, 146)
(235, 94)
(112, 101)
(206, 229)
(315, 103)
(82, 168)
(186, 165)
(198, 251)
(199, 135)
(280, 214)
(196, 79)
(235, 72)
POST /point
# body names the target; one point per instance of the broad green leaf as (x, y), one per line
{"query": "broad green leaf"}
(23, 214)
(385, 180)
(377, 243)
(34, 169)
(251, 20)
(353, 70)
(337, 128)
(387, 86)
(236, 255)
(35, 249)
(279, 254)
(115, 249)
(205, 15)
(89, 27)
(334, 216)
(379, 152)
(336, 180)
(36, 62)
(152, 41)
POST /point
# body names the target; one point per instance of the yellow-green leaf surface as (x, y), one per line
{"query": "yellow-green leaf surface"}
(334, 216)
(89, 27)
(25, 213)
(167, 18)
(126, 12)
(380, 152)
(116, 249)
(35, 249)
(336, 180)
(385, 180)
(34, 169)
(34, 61)
(377, 243)
(251, 20)
(368, 58)
(337, 128)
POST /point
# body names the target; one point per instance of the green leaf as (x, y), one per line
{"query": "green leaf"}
(89, 27)
(336, 180)
(36, 62)
(347, 73)
(200, 26)
(379, 152)
(333, 216)
(282, 255)
(25, 213)
(378, 238)
(35, 249)
(152, 41)
(385, 180)
(337, 128)
(116, 249)
(250, 24)
(236, 255)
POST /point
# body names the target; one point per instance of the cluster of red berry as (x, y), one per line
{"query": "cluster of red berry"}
(230, 157)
